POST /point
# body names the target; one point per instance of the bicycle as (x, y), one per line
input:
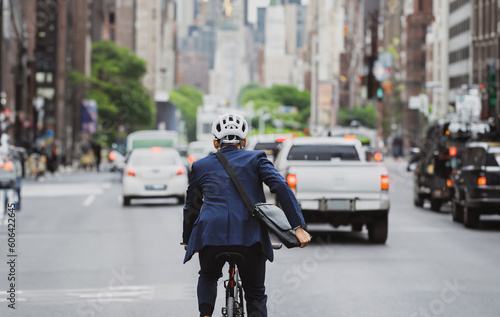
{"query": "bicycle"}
(235, 306)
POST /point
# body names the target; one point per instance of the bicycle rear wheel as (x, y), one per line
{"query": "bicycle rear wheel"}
(230, 307)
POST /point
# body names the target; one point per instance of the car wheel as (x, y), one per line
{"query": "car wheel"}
(418, 201)
(181, 200)
(357, 227)
(457, 211)
(377, 230)
(436, 204)
(471, 217)
(126, 201)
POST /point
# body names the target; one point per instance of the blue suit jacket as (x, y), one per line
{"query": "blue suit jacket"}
(215, 213)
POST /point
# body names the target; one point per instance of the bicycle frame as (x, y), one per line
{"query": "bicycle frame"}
(234, 293)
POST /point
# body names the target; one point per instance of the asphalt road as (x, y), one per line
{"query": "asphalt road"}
(80, 253)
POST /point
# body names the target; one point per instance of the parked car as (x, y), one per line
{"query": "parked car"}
(335, 184)
(477, 183)
(154, 172)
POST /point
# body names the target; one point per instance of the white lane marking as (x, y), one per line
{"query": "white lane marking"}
(131, 293)
(62, 190)
(89, 200)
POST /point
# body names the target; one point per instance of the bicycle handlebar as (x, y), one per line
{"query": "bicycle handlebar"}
(276, 246)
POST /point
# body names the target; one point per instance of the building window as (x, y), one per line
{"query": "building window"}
(458, 81)
(459, 55)
(457, 4)
(111, 18)
(459, 28)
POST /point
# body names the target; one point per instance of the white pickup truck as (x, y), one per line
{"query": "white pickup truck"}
(335, 184)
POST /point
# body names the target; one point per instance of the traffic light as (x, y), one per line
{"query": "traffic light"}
(380, 93)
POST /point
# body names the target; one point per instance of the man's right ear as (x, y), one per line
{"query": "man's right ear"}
(216, 144)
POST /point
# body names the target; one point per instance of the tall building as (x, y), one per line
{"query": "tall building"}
(148, 29)
(351, 63)
(17, 48)
(460, 46)
(277, 62)
(231, 64)
(486, 59)
(439, 84)
(325, 29)
(418, 17)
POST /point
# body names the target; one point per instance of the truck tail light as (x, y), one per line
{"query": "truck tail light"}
(291, 180)
(378, 157)
(481, 181)
(384, 182)
(8, 166)
(452, 151)
(130, 172)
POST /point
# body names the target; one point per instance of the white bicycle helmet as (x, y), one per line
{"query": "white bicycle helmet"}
(228, 126)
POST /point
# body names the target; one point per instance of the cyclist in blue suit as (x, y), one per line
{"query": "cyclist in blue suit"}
(217, 220)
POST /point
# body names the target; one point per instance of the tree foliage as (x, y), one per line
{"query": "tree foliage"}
(270, 100)
(115, 84)
(187, 99)
(366, 115)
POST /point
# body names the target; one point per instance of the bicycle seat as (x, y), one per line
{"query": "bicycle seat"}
(231, 257)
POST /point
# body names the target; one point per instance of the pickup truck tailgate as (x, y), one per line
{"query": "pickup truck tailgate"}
(345, 181)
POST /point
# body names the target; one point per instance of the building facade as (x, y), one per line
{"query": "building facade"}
(485, 54)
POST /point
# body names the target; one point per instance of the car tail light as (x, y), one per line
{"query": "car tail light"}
(191, 159)
(291, 180)
(384, 182)
(452, 151)
(481, 181)
(112, 156)
(449, 182)
(180, 171)
(378, 157)
(130, 172)
(8, 166)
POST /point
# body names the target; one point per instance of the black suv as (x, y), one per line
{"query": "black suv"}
(477, 183)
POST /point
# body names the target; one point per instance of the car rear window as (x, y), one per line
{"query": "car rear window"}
(493, 157)
(473, 157)
(271, 148)
(323, 152)
(152, 159)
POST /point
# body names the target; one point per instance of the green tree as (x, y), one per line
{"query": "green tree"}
(270, 100)
(366, 115)
(187, 99)
(115, 84)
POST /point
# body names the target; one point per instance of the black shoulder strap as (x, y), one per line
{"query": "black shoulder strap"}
(236, 181)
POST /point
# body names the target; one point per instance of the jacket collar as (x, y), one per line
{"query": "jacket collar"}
(229, 149)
